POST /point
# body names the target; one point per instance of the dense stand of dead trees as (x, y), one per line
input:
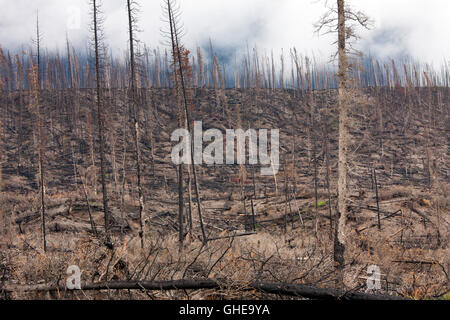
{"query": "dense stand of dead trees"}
(179, 70)
(74, 70)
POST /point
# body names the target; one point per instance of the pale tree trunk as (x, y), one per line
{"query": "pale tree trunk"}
(341, 232)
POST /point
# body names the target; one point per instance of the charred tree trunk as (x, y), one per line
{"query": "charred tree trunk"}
(36, 83)
(100, 115)
(174, 36)
(133, 101)
(285, 289)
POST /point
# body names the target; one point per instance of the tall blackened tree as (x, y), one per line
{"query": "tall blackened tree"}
(180, 62)
(35, 75)
(97, 31)
(132, 9)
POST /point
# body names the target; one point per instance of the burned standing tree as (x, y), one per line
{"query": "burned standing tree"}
(49, 128)
(36, 107)
(99, 78)
(327, 170)
(175, 32)
(133, 98)
(343, 20)
(178, 94)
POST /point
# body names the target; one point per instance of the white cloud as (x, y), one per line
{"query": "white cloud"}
(416, 27)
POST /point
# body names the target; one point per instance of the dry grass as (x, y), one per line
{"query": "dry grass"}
(298, 255)
(295, 257)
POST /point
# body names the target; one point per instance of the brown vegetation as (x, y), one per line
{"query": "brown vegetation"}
(368, 159)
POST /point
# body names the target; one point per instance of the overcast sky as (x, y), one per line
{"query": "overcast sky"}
(417, 28)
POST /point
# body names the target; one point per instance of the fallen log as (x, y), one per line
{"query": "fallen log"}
(376, 224)
(53, 211)
(286, 289)
(413, 262)
(233, 236)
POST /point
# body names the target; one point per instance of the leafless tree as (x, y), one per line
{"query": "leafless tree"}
(36, 107)
(175, 32)
(343, 20)
(97, 30)
(132, 9)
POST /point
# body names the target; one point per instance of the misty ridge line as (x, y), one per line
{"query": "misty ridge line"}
(290, 71)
